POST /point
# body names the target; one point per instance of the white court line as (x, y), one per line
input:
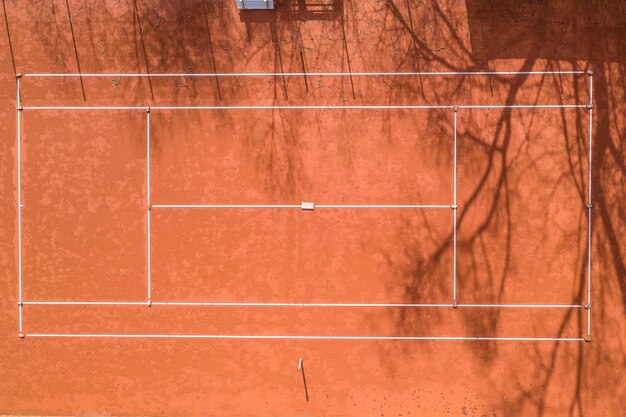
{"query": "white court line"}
(83, 303)
(312, 107)
(253, 206)
(148, 249)
(308, 74)
(256, 107)
(522, 305)
(454, 214)
(285, 304)
(322, 206)
(19, 205)
(294, 337)
(589, 205)
(349, 206)
(297, 206)
(523, 106)
(253, 304)
(84, 108)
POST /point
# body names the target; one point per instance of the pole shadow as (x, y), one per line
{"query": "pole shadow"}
(306, 390)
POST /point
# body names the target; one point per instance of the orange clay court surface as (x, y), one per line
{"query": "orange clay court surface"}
(157, 257)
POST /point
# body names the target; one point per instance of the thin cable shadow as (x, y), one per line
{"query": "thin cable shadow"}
(279, 57)
(143, 47)
(69, 17)
(345, 47)
(6, 24)
(208, 31)
(302, 60)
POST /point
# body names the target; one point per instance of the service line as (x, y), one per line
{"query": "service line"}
(297, 206)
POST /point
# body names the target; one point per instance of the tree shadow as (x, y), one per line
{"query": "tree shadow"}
(572, 31)
(541, 35)
(549, 37)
